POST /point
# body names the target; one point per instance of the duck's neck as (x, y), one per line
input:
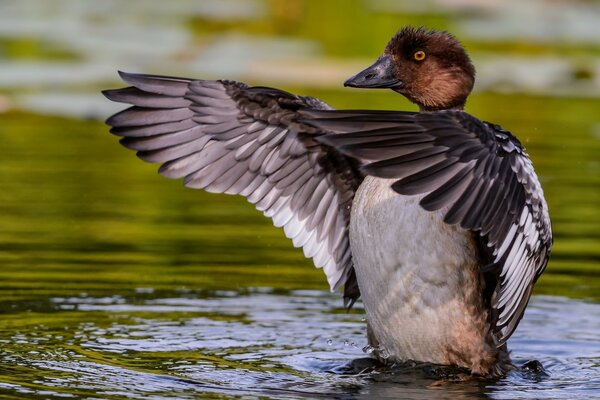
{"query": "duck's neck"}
(424, 108)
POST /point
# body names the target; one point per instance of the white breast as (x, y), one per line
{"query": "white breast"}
(418, 277)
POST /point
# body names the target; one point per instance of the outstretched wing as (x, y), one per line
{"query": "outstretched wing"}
(226, 137)
(477, 172)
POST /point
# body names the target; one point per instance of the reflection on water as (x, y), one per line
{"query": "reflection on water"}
(263, 342)
(118, 284)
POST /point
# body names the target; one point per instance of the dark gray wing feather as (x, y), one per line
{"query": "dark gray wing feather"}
(226, 137)
(475, 171)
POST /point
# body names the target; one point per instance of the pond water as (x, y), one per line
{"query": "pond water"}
(264, 342)
(115, 283)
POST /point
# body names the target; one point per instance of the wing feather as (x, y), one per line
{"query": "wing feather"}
(225, 137)
(478, 173)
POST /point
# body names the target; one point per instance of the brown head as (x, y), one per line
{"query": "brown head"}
(429, 68)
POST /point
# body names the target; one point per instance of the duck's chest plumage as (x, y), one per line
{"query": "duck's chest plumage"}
(419, 278)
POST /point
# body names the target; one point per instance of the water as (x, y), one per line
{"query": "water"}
(281, 344)
(115, 283)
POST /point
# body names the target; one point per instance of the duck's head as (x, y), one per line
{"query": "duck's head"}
(428, 67)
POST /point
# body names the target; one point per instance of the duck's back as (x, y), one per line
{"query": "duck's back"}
(420, 280)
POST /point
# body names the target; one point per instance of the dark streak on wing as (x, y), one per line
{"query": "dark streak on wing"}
(476, 171)
(226, 137)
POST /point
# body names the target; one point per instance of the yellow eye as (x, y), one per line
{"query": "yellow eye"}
(419, 55)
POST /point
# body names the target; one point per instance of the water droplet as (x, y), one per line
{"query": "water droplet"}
(368, 349)
(353, 345)
(383, 353)
(346, 343)
(329, 342)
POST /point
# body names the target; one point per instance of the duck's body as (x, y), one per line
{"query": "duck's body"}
(436, 218)
(419, 280)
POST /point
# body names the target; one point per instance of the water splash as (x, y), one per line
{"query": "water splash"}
(376, 351)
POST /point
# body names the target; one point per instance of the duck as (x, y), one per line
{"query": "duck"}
(435, 218)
